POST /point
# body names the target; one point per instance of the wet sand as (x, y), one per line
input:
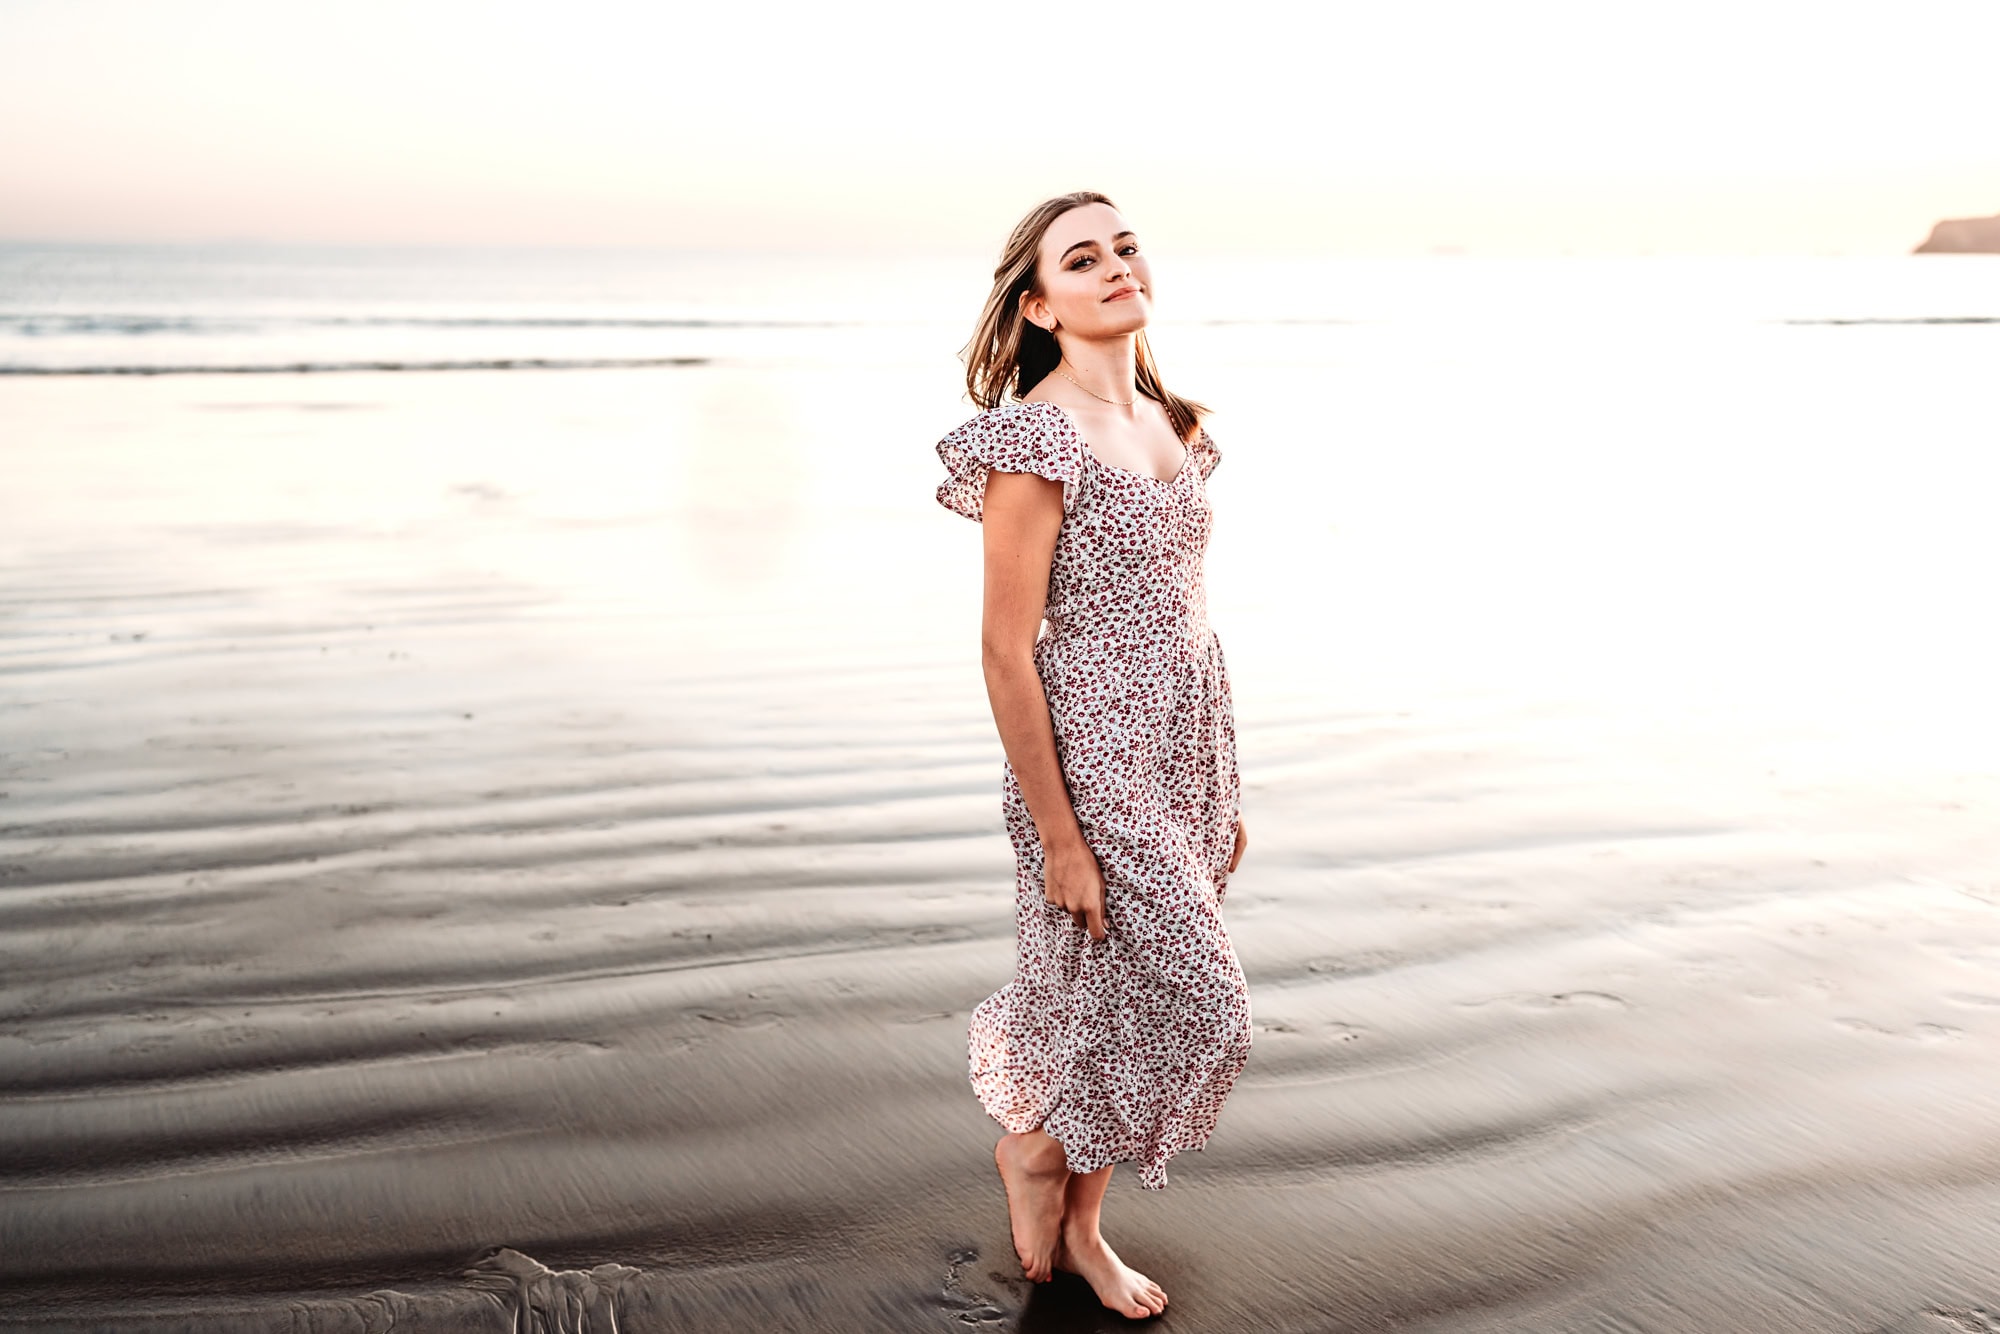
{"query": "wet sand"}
(420, 841)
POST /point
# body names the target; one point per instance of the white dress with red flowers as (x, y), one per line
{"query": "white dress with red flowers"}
(1123, 1049)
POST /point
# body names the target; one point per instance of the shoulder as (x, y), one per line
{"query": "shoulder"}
(1018, 436)
(1022, 412)
(1032, 437)
(1204, 450)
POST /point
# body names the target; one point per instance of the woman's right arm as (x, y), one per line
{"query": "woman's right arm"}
(1022, 513)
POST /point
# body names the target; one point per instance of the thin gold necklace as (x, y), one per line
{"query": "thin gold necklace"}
(1117, 402)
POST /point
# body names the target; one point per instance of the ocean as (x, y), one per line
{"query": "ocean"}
(493, 755)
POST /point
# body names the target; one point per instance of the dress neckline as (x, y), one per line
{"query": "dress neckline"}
(1187, 453)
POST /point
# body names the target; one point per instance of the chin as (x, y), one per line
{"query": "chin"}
(1126, 316)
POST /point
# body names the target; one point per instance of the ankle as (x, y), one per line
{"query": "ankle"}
(1081, 1232)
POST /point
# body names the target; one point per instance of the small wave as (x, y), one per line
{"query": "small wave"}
(1305, 320)
(46, 325)
(336, 367)
(37, 326)
(576, 322)
(1911, 319)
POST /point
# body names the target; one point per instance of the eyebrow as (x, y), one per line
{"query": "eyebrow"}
(1081, 244)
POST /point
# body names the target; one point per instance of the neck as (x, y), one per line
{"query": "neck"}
(1107, 366)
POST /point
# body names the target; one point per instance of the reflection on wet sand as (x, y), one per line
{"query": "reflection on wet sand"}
(448, 878)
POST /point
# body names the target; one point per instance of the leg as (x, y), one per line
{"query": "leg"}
(1034, 1169)
(1084, 1251)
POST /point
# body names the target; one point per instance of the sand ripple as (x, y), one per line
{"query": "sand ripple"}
(368, 933)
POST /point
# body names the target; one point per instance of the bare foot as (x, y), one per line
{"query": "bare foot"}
(1034, 1169)
(1118, 1285)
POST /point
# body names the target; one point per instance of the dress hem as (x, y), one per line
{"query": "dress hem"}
(1152, 1171)
(1152, 1163)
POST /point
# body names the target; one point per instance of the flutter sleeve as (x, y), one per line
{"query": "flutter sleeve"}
(1206, 454)
(1014, 437)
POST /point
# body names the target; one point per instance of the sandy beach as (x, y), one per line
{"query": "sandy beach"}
(458, 824)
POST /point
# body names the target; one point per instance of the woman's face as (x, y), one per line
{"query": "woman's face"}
(1095, 283)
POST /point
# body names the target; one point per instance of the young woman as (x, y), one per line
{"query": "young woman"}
(1127, 1019)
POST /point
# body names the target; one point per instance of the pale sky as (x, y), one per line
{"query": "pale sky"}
(1750, 126)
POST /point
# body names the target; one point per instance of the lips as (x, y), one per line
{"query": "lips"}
(1124, 292)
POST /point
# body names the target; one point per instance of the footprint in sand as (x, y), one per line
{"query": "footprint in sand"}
(967, 1308)
(928, 1017)
(741, 1018)
(1602, 1000)
(1330, 1031)
(1920, 1033)
(1356, 965)
(1969, 1319)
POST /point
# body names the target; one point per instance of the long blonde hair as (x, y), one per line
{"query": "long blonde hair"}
(1010, 354)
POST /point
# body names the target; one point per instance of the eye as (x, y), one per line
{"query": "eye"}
(1080, 261)
(1129, 248)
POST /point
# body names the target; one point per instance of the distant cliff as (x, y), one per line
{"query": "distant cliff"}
(1964, 236)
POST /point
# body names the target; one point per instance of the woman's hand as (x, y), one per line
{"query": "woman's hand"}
(1242, 842)
(1073, 881)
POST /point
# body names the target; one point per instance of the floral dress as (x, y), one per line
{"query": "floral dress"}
(1123, 1049)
